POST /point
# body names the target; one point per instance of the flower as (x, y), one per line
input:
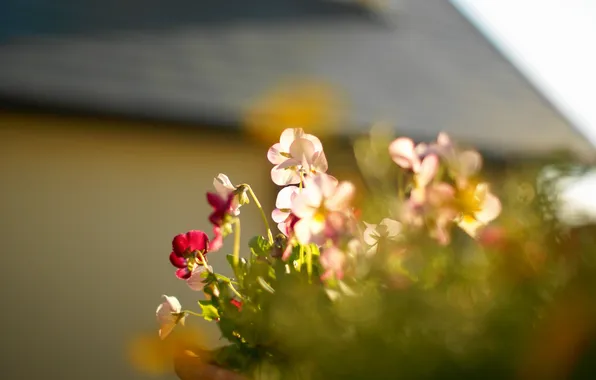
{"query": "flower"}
(479, 207)
(185, 251)
(418, 159)
(296, 154)
(224, 187)
(223, 208)
(237, 304)
(195, 281)
(169, 314)
(333, 260)
(432, 206)
(282, 215)
(387, 229)
(322, 201)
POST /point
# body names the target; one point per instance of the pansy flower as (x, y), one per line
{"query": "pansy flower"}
(185, 251)
(321, 196)
(282, 215)
(479, 207)
(223, 208)
(387, 229)
(296, 154)
(169, 314)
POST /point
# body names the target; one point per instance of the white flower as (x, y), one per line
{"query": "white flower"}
(386, 229)
(283, 204)
(195, 281)
(169, 315)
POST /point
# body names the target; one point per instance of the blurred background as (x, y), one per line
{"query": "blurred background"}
(116, 115)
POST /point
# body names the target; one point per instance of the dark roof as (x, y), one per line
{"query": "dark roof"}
(428, 70)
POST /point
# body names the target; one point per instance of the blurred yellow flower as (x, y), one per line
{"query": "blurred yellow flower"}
(309, 104)
(149, 354)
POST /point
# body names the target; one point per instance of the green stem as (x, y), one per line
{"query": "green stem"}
(192, 313)
(301, 257)
(236, 242)
(258, 204)
(235, 291)
(309, 263)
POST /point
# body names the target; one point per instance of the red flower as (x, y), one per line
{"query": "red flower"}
(217, 241)
(185, 251)
(222, 208)
(237, 303)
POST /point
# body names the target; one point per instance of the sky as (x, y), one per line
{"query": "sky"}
(553, 44)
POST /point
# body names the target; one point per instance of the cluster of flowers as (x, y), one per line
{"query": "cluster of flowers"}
(315, 215)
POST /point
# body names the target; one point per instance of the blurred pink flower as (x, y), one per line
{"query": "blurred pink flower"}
(320, 198)
(169, 314)
(296, 153)
(184, 254)
(333, 260)
(282, 215)
(415, 158)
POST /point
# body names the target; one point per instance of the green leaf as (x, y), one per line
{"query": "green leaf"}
(210, 312)
(240, 270)
(259, 246)
(222, 278)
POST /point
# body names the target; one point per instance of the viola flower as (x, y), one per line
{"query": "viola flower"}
(224, 187)
(184, 255)
(333, 261)
(282, 215)
(387, 229)
(195, 281)
(169, 314)
(321, 196)
(217, 241)
(432, 207)
(223, 208)
(296, 153)
(479, 207)
(417, 158)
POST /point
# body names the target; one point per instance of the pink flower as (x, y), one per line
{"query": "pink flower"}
(184, 255)
(296, 153)
(195, 281)
(433, 207)
(322, 204)
(282, 215)
(415, 158)
(333, 261)
(169, 314)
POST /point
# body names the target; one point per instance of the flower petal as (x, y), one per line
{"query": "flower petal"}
(283, 177)
(288, 136)
(319, 163)
(177, 260)
(325, 183)
(215, 200)
(427, 170)
(274, 154)
(491, 208)
(183, 273)
(302, 231)
(341, 197)
(195, 281)
(180, 244)
(370, 234)
(197, 240)
(279, 216)
(306, 203)
(303, 151)
(217, 242)
(285, 197)
(402, 153)
(223, 185)
(393, 227)
(469, 163)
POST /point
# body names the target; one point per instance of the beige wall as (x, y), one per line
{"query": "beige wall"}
(88, 214)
